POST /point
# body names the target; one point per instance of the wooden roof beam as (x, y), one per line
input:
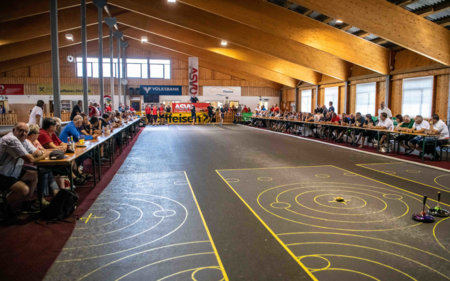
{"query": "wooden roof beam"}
(42, 44)
(403, 3)
(433, 9)
(361, 33)
(391, 22)
(12, 10)
(240, 34)
(307, 12)
(212, 57)
(344, 26)
(379, 40)
(211, 44)
(266, 17)
(39, 25)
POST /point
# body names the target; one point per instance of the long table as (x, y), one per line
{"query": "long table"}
(91, 149)
(354, 128)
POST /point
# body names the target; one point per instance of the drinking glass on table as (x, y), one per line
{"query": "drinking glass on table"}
(81, 140)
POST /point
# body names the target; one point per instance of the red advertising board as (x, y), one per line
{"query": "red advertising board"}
(186, 107)
(11, 89)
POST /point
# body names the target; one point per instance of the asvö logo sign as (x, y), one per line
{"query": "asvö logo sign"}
(222, 91)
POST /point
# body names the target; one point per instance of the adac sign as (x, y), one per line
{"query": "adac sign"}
(160, 90)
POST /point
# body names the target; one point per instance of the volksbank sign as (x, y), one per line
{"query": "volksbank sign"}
(160, 90)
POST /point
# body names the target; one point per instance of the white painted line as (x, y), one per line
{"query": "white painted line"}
(352, 149)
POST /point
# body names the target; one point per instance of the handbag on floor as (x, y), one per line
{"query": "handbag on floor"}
(61, 207)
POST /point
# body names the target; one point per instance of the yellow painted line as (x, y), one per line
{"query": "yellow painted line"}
(271, 232)
(272, 168)
(404, 190)
(352, 271)
(363, 165)
(225, 276)
(192, 269)
(434, 234)
(88, 218)
(382, 163)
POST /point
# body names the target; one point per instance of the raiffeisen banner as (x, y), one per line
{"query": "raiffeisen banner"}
(186, 107)
(186, 118)
(193, 77)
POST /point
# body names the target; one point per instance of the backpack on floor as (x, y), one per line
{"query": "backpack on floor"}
(61, 207)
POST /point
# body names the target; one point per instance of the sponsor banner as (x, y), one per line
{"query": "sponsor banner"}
(222, 91)
(160, 90)
(107, 99)
(186, 107)
(181, 118)
(63, 90)
(11, 89)
(193, 76)
(247, 116)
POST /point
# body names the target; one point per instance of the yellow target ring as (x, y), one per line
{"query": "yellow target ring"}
(316, 256)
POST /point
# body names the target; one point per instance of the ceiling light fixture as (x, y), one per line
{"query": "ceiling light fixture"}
(144, 39)
(69, 37)
(339, 21)
(171, 1)
(224, 43)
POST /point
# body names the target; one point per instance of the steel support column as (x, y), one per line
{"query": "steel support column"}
(317, 96)
(118, 35)
(55, 58)
(84, 57)
(100, 5)
(346, 97)
(124, 45)
(111, 22)
(388, 88)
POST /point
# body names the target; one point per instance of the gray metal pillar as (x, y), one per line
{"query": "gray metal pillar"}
(124, 45)
(111, 22)
(100, 5)
(118, 35)
(317, 96)
(388, 87)
(345, 97)
(55, 58)
(84, 57)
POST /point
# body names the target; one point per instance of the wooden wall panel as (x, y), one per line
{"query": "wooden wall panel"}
(21, 72)
(22, 110)
(290, 95)
(395, 99)
(221, 76)
(361, 71)
(321, 97)
(406, 59)
(441, 103)
(380, 95)
(352, 99)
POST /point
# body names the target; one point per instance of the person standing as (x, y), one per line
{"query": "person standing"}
(222, 115)
(37, 114)
(385, 110)
(210, 112)
(331, 108)
(2, 109)
(155, 115)
(161, 114)
(193, 114)
(148, 113)
(76, 110)
(107, 108)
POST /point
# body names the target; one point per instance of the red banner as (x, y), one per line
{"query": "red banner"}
(11, 89)
(186, 107)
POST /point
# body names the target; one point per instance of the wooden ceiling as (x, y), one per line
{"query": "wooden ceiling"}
(282, 41)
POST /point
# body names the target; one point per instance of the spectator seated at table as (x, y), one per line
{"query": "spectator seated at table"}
(339, 132)
(86, 128)
(367, 134)
(405, 124)
(50, 141)
(357, 123)
(55, 183)
(438, 127)
(384, 124)
(72, 129)
(19, 183)
(419, 126)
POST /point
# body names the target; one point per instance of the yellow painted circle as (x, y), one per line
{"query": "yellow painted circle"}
(232, 180)
(86, 226)
(315, 256)
(439, 179)
(280, 205)
(322, 176)
(264, 179)
(194, 278)
(413, 171)
(435, 237)
(364, 202)
(393, 196)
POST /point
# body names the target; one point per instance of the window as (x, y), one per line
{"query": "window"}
(160, 69)
(417, 96)
(92, 67)
(331, 94)
(306, 101)
(365, 98)
(137, 68)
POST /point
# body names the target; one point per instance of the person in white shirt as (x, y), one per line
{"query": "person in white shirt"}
(419, 126)
(439, 127)
(384, 124)
(37, 114)
(385, 110)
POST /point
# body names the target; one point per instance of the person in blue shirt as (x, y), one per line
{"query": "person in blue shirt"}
(331, 108)
(72, 130)
(121, 108)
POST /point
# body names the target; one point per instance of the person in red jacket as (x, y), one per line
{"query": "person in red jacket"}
(245, 110)
(155, 115)
(148, 112)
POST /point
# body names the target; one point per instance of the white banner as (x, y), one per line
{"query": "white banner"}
(222, 91)
(193, 76)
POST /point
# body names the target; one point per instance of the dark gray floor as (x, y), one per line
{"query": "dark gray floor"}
(245, 245)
